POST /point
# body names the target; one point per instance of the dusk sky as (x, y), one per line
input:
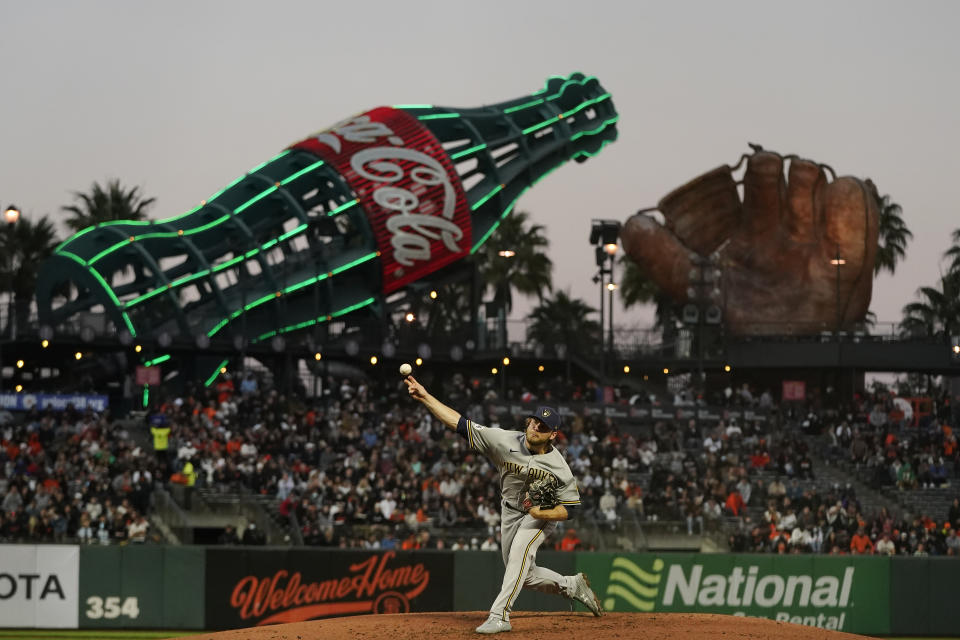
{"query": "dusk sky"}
(180, 98)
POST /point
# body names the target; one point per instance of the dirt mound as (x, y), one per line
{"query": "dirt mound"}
(535, 626)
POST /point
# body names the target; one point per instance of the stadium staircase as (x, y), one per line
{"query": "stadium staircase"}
(874, 493)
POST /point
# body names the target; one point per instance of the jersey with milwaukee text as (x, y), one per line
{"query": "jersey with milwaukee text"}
(518, 466)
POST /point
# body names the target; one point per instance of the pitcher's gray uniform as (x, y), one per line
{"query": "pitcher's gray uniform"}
(521, 534)
(521, 457)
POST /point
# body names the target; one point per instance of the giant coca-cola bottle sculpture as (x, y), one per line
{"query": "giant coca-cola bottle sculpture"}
(332, 226)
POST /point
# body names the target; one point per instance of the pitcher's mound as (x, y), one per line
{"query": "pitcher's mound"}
(535, 626)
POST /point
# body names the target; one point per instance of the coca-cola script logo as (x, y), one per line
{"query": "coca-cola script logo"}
(408, 187)
(372, 586)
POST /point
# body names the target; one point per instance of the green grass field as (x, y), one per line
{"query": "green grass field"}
(90, 634)
(121, 634)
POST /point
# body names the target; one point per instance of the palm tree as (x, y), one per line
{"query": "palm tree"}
(894, 235)
(953, 253)
(564, 320)
(636, 288)
(23, 248)
(528, 271)
(106, 203)
(450, 313)
(937, 313)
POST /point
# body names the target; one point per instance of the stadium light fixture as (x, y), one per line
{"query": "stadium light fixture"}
(11, 215)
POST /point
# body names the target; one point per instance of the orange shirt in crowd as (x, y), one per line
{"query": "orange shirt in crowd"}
(735, 503)
(861, 544)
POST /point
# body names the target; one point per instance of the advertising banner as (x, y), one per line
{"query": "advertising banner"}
(641, 414)
(148, 375)
(141, 587)
(53, 401)
(407, 186)
(843, 593)
(39, 585)
(794, 390)
(254, 587)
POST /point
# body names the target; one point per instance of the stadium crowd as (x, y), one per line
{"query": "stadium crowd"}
(73, 477)
(361, 466)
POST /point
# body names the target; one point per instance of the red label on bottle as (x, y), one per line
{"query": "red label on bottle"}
(407, 186)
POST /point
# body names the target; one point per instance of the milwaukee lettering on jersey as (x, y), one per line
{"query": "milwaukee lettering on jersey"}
(407, 186)
(283, 597)
(529, 472)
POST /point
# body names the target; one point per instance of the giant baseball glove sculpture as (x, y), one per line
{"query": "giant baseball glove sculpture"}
(795, 255)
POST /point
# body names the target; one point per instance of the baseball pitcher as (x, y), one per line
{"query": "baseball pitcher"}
(537, 490)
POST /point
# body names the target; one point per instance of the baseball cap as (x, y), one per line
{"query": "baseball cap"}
(548, 416)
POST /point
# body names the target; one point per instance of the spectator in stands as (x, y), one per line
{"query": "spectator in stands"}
(137, 529)
(229, 536)
(489, 544)
(252, 536)
(13, 501)
(952, 543)
(760, 458)
(776, 489)
(569, 541)
(886, 546)
(85, 533)
(745, 488)
(734, 503)
(860, 543)
(953, 515)
(160, 431)
(608, 506)
(905, 476)
(190, 476)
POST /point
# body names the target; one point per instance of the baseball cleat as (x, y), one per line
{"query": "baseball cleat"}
(495, 625)
(584, 594)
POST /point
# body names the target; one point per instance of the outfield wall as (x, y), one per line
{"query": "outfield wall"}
(186, 587)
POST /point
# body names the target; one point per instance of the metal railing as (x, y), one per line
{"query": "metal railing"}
(489, 336)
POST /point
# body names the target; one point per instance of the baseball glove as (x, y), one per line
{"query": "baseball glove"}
(771, 258)
(543, 493)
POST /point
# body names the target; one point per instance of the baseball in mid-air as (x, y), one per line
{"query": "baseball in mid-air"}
(405, 369)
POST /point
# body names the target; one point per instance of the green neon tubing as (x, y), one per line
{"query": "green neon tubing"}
(290, 179)
(216, 372)
(343, 207)
(438, 116)
(483, 200)
(106, 288)
(467, 152)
